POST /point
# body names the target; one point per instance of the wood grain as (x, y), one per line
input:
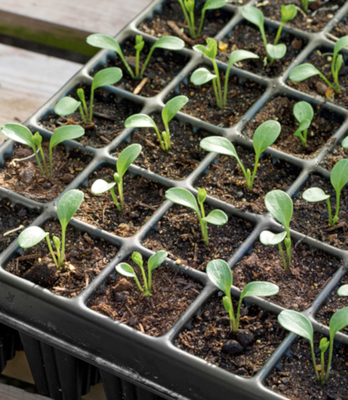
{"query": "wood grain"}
(13, 393)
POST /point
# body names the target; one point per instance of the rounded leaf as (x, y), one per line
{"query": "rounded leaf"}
(127, 156)
(288, 12)
(339, 175)
(265, 135)
(107, 76)
(31, 237)
(169, 43)
(240, 55)
(302, 72)
(100, 186)
(125, 270)
(68, 205)
(276, 52)
(137, 258)
(216, 217)
(66, 132)
(172, 107)
(313, 195)
(259, 289)
(338, 321)
(156, 260)
(209, 51)
(345, 143)
(214, 4)
(104, 42)
(304, 124)
(18, 133)
(253, 15)
(201, 76)
(140, 121)
(219, 145)
(220, 274)
(303, 110)
(279, 204)
(343, 290)
(66, 106)
(295, 322)
(269, 238)
(182, 197)
(340, 44)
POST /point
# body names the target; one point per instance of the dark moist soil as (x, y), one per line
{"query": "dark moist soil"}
(242, 94)
(337, 154)
(226, 181)
(142, 198)
(214, 21)
(183, 157)
(248, 37)
(162, 68)
(27, 179)
(85, 258)
(171, 295)
(108, 118)
(179, 233)
(309, 23)
(312, 219)
(323, 127)
(12, 217)
(311, 269)
(316, 86)
(243, 353)
(341, 29)
(296, 378)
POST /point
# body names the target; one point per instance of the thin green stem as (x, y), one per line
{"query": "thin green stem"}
(328, 83)
(38, 161)
(216, 93)
(138, 284)
(282, 256)
(287, 242)
(146, 62)
(238, 314)
(279, 32)
(186, 17)
(113, 195)
(314, 363)
(329, 212)
(243, 170)
(129, 69)
(322, 365)
(201, 23)
(146, 291)
(91, 104)
(43, 160)
(149, 278)
(163, 147)
(62, 253)
(137, 62)
(257, 157)
(51, 251)
(50, 159)
(330, 357)
(204, 225)
(335, 218)
(304, 5)
(234, 326)
(218, 82)
(192, 25)
(120, 193)
(82, 115)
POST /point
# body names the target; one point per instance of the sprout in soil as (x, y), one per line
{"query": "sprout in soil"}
(154, 261)
(107, 42)
(185, 198)
(68, 105)
(22, 134)
(67, 207)
(168, 113)
(304, 4)
(265, 135)
(124, 160)
(202, 75)
(280, 206)
(300, 325)
(338, 178)
(188, 7)
(305, 71)
(274, 51)
(304, 114)
(345, 143)
(220, 274)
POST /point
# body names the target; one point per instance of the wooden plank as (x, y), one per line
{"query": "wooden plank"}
(13, 393)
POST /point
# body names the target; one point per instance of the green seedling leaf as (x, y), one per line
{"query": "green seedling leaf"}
(31, 237)
(107, 76)
(104, 42)
(269, 238)
(253, 15)
(265, 135)
(216, 217)
(201, 195)
(338, 321)
(276, 52)
(137, 258)
(182, 197)
(345, 143)
(279, 204)
(169, 43)
(66, 132)
(259, 289)
(240, 55)
(343, 290)
(18, 133)
(139, 43)
(172, 107)
(100, 186)
(288, 12)
(66, 106)
(37, 139)
(209, 51)
(340, 44)
(220, 274)
(156, 260)
(339, 175)
(302, 72)
(313, 195)
(68, 205)
(303, 110)
(213, 4)
(125, 270)
(190, 5)
(297, 323)
(304, 124)
(218, 145)
(201, 76)
(140, 121)
(127, 156)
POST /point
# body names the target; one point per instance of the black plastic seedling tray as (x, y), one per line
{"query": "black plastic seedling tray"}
(65, 340)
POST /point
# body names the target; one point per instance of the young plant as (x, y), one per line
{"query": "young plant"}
(185, 198)
(154, 261)
(307, 70)
(274, 51)
(338, 178)
(280, 206)
(108, 42)
(300, 325)
(67, 207)
(345, 143)
(188, 7)
(68, 105)
(304, 114)
(124, 160)
(265, 135)
(304, 4)
(202, 75)
(22, 134)
(168, 113)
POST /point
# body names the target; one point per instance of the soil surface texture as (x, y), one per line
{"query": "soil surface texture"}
(341, 29)
(171, 294)
(337, 154)
(85, 258)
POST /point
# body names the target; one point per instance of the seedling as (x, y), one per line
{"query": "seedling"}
(107, 42)
(68, 105)
(185, 198)
(274, 51)
(168, 113)
(307, 70)
(22, 134)
(265, 135)
(297, 323)
(154, 261)
(188, 7)
(202, 75)
(304, 4)
(220, 274)
(280, 206)
(338, 178)
(125, 159)
(67, 207)
(345, 143)
(304, 114)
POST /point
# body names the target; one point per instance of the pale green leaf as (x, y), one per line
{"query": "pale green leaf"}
(127, 156)
(214, 4)
(201, 76)
(66, 132)
(269, 238)
(169, 43)
(172, 107)
(279, 204)
(339, 175)
(288, 12)
(343, 290)
(100, 186)
(216, 217)
(182, 197)
(31, 237)
(219, 145)
(66, 106)
(253, 15)
(303, 110)
(220, 274)
(313, 195)
(302, 72)
(107, 76)
(338, 321)
(18, 133)
(276, 52)
(125, 270)
(104, 42)
(265, 135)
(295, 322)
(68, 205)
(240, 55)
(259, 288)
(140, 121)
(156, 260)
